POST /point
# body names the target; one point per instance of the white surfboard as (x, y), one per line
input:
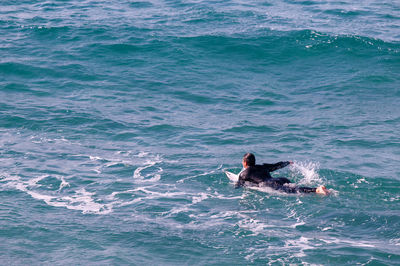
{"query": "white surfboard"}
(233, 177)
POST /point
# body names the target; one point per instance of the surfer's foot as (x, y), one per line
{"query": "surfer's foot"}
(322, 190)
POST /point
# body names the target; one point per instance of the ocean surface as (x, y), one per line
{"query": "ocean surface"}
(119, 118)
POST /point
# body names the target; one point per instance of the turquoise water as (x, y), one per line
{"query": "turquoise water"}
(119, 118)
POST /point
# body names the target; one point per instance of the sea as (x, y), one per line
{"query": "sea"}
(119, 118)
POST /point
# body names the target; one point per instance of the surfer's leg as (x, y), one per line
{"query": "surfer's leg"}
(319, 190)
(272, 183)
(281, 184)
(307, 189)
(288, 189)
(322, 190)
(281, 180)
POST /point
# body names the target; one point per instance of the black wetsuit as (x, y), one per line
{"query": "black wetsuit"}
(260, 175)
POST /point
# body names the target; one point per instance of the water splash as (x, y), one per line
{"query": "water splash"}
(308, 172)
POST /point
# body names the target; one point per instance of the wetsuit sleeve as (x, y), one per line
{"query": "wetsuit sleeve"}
(240, 182)
(275, 166)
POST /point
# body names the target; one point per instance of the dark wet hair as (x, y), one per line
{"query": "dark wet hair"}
(250, 159)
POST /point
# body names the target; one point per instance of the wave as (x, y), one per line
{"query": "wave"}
(281, 46)
(277, 46)
(248, 129)
(37, 71)
(198, 18)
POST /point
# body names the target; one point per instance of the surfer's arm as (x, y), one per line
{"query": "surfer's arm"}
(240, 181)
(276, 166)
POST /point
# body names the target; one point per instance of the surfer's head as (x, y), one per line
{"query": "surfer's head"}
(249, 159)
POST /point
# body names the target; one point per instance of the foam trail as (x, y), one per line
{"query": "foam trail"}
(81, 200)
(202, 174)
(298, 246)
(33, 182)
(137, 174)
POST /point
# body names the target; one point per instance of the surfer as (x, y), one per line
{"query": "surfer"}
(259, 174)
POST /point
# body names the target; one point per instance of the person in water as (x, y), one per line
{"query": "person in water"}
(259, 174)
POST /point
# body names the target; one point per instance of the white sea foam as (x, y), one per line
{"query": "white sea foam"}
(117, 158)
(347, 241)
(154, 175)
(198, 218)
(297, 224)
(225, 214)
(63, 184)
(396, 198)
(97, 170)
(39, 140)
(7, 178)
(199, 175)
(177, 210)
(222, 197)
(362, 180)
(299, 246)
(34, 181)
(95, 158)
(81, 199)
(205, 222)
(200, 197)
(396, 242)
(126, 203)
(252, 224)
(113, 194)
(142, 154)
